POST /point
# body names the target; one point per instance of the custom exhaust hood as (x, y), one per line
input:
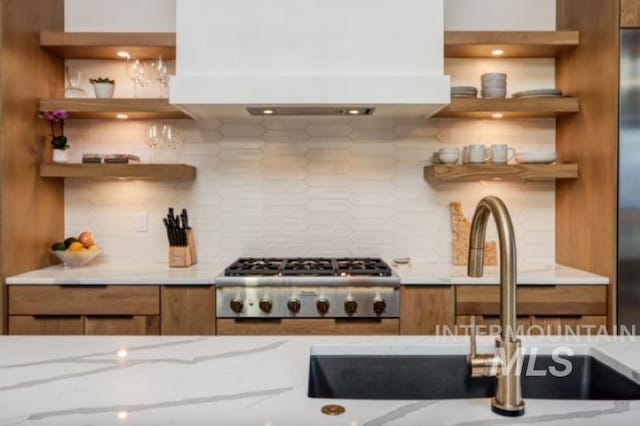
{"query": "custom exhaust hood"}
(238, 58)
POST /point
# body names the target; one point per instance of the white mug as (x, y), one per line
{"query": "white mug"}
(502, 154)
(465, 155)
(479, 154)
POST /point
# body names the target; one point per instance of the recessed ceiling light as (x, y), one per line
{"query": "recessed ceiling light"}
(497, 52)
(267, 112)
(122, 116)
(497, 115)
(354, 112)
(123, 54)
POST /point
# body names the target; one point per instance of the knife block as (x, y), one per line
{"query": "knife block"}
(184, 256)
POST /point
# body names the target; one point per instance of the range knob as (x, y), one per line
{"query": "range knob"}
(323, 306)
(294, 305)
(350, 306)
(236, 305)
(379, 306)
(266, 305)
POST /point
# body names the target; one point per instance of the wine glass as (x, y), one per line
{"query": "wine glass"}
(137, 72)
(153, 137)
(160, 73)
(172, 140)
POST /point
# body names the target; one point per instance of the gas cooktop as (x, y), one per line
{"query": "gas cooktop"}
(308, 271)
(309, 266)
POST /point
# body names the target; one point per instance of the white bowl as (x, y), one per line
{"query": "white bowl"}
(536, 157)
(76, 258)
(449, 157)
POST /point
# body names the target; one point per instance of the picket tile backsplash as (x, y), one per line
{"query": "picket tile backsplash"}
(307, 187)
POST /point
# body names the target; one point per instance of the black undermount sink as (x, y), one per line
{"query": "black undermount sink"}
(448, 377)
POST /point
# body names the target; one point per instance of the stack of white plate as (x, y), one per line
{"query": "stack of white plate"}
(464, 92)
(540, 157)
(540, 93)
(494, 85)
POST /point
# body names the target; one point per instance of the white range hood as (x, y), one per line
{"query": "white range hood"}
(310, 57)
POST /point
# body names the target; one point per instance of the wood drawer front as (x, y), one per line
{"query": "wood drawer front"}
(486, 324)
(122, 325)
(534, 300)
(84, 300)
(231, 327)
(45, 326)
(188, 310)
(581, 326)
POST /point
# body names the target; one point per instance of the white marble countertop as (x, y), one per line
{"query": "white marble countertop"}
(255, 381)
(203, 273)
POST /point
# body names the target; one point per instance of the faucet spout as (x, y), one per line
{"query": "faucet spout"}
(508, 400)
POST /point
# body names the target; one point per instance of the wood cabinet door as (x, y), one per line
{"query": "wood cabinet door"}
(122, 325)
(188, 310)
(46, 325)
(630, 14)
(424, 310)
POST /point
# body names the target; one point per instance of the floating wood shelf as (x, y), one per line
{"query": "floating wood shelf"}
(514, 44)
(156, 172)
(516, 172)
(107, 45)
(136, 109)
(510, 107)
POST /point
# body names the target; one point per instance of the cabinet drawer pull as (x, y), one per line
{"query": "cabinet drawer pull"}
(358, 320)
(50, 317)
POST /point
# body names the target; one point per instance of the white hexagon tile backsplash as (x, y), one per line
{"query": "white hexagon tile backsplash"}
(296, 186)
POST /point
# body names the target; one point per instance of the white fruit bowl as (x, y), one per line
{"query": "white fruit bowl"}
(536, 157)
(76, 258)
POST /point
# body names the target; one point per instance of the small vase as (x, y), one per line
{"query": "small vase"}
(104, 90)
(59, 155)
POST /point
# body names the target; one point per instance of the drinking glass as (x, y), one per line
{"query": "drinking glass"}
(153, 138)
(160, 73)
(72, 89)
(137, 72)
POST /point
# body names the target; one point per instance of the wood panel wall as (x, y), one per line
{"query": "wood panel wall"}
(31, 208)
(586, 208)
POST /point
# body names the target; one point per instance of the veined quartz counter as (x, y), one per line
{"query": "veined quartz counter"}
(205, 273)
(255, 381)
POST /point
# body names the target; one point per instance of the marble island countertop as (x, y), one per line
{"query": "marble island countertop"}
(256, 381)
(205, 273)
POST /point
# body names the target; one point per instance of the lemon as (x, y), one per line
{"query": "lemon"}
(93, 247)
(76, 246)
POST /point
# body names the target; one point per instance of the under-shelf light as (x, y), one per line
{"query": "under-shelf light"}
(122, 116)
(497, 115)
(123, 54)
(497, 52)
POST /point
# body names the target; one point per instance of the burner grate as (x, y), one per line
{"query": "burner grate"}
(308, 267)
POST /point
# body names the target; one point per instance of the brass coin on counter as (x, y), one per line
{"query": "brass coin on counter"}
(333, 410)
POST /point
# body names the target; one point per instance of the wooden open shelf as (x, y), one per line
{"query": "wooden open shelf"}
(515, 44)
(157, 172)
(136, 109)
(510, 107)
(107, 45)
(512, 172)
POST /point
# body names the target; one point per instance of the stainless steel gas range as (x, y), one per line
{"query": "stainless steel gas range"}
(276, 289)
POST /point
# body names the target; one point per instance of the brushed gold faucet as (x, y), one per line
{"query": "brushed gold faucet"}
(504, 364)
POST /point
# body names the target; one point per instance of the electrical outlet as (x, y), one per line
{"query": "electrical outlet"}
(142, 222)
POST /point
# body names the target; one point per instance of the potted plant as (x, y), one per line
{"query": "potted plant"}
(58, 142)
(103, 87)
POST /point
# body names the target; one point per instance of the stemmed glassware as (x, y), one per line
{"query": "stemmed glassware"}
(160, 73)
(163, 139)
(153, 138)
(137, 72)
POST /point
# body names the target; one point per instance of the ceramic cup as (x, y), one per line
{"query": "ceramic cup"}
(478, 153)
(465, 155)
(501, 153)
(449, 155)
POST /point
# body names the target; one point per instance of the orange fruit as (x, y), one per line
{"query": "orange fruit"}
(76, 246)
